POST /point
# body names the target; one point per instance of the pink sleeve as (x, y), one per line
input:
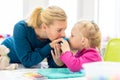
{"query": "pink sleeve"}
(70, 61)
(75, 64)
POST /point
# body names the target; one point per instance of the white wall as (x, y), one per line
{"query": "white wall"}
(86, 9)
(10, 13)
(29, 5)
(109, 18)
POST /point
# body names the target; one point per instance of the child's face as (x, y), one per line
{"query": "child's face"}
(76, 39)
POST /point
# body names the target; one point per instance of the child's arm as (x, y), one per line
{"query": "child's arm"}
(65, 46)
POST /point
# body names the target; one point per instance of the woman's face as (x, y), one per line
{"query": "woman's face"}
(56, 30)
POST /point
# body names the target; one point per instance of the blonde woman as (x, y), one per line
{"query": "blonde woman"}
(85, 39)
(34, 38)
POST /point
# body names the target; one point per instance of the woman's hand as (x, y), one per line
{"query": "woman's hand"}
(56, 55)
(53, 43)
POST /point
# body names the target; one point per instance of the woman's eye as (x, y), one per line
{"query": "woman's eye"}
(71, 35)
(59, 30)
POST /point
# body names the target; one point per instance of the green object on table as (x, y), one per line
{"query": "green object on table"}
(112, 52)
(57, 73)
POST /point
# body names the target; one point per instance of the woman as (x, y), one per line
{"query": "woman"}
(34, 38)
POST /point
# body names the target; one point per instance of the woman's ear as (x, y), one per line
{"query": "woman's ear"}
(43, 26)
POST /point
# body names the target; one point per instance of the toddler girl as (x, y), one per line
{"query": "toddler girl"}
(85, 39)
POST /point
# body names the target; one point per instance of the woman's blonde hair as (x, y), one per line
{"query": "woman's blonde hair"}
(91, 31)
(47, 16)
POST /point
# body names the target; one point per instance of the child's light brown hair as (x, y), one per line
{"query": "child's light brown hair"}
(91, 31)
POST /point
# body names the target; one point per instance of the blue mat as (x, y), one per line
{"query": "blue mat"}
(57, 73)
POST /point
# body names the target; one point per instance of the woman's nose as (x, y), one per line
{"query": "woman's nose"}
(63, 34)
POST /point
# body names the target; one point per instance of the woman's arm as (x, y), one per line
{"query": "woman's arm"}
(26, 52)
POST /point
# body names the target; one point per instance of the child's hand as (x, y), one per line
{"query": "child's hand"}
(56, 55)
(65, 46)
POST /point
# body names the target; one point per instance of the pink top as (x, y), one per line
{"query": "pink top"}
(74, 62)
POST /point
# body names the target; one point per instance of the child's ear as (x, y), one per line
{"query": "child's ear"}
(84, 41)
